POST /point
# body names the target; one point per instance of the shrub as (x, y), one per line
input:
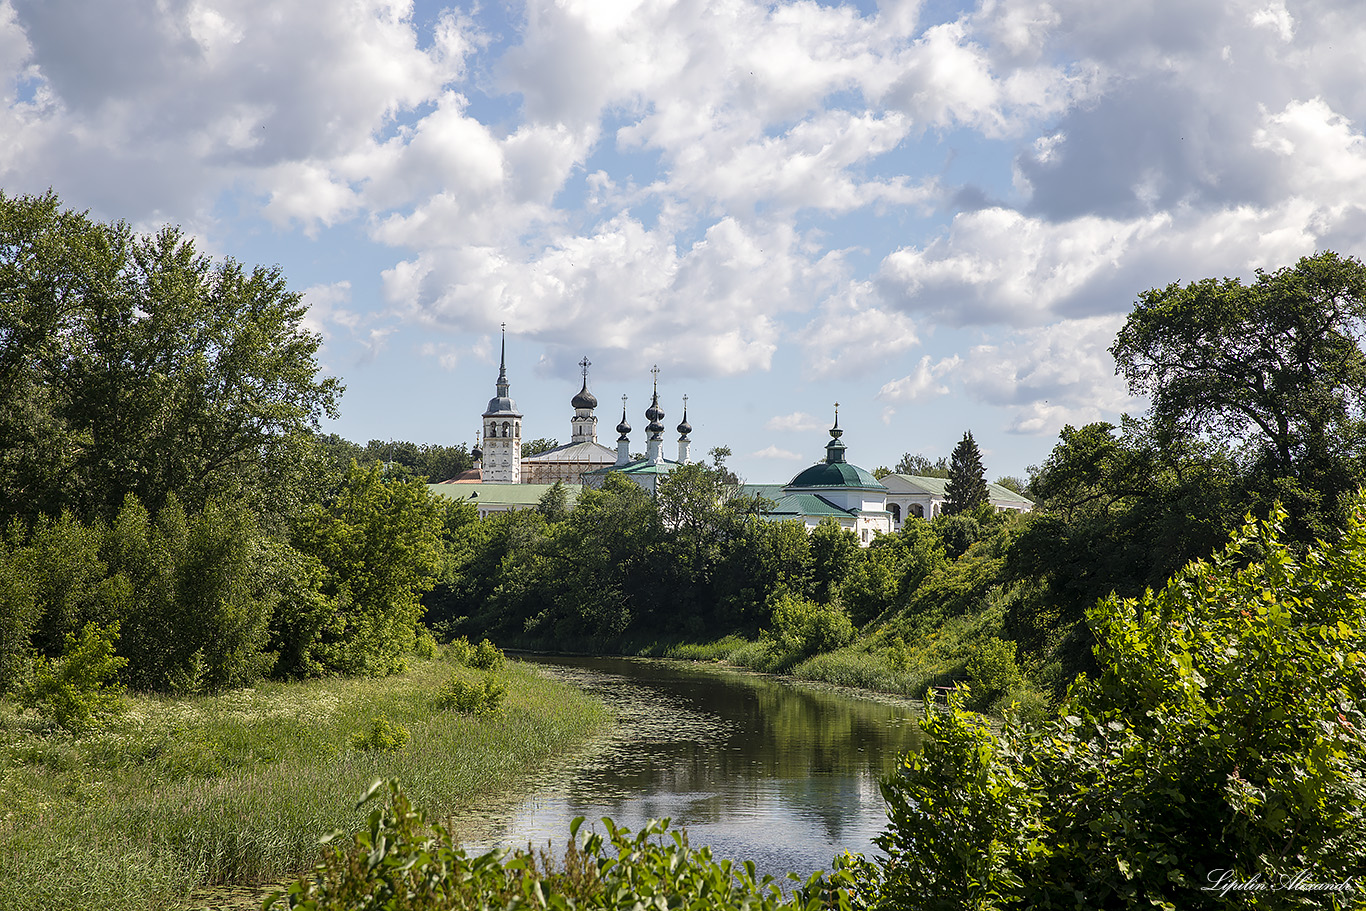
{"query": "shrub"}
(472, 698)
(424, 646)
(401, 860)
(804, 627)
(1223, 740)
(382, 734)
(484, 657)
(75, 691)
(993, 671)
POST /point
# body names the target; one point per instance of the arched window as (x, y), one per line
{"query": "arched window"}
(506, 426)
(895, 509)
(493, 428)
(917, 510)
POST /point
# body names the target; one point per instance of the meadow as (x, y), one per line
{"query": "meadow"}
(179, 795)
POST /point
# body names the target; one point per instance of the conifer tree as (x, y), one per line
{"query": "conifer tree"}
(967, 485)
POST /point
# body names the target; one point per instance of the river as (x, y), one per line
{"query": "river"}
(778, 772)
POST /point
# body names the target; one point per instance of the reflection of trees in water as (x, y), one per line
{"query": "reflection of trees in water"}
(702, 742)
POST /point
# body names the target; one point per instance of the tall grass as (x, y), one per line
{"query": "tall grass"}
(184, 793)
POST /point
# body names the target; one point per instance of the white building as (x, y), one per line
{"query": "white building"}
(500, 457)
(832, 489)
(913, 496)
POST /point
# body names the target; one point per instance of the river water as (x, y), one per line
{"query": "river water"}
(762, 769)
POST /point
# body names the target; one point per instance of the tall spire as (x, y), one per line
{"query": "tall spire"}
(503, 364)
(624, 440)
(834, 450)
(684, 428)
(654, 431)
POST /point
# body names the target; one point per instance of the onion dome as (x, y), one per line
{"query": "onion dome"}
(835, 471)
(624, 427)
(584, 398)
(477, 453)
(684, 428)
(655, 414)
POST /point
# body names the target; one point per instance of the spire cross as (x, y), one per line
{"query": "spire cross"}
(585, 364)
(655, 370)
(685, 404)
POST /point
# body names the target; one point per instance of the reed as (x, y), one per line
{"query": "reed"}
(180, 794)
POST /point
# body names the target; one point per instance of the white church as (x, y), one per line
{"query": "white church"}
(833, 488)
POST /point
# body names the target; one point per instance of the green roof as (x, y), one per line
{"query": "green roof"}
(501, 494)
(835, 474)
(806, 505)
(939, 487)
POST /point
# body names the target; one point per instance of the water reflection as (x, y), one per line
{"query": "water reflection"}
(783, 774)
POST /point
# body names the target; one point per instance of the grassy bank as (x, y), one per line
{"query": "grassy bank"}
(183, 793)
(899, 658)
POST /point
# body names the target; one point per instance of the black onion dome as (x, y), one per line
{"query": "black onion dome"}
(684, 427)
(654, 413)
(624, 427)
(584, 398)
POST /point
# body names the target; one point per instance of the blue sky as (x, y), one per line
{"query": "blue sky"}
(936, 214)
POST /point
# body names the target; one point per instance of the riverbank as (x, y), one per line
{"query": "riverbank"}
(182, 794)
(956, 653)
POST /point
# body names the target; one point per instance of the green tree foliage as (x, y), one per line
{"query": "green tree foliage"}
(1118, 512)
(1274, 368)
(79, 689)
(922, 466)
(1222, 740)
(379, 547)
(891, 568)
(802, 627)
(200, 615)
(554, 503)
(135, 365)
(538, 446)
(191, 594)
(967, 486)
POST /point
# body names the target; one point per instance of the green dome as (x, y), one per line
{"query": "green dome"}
(835, 474)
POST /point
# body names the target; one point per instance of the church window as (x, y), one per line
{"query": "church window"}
(896, 511)
(917, 510)
(506, 425)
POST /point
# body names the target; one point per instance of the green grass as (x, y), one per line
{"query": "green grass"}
(181, 794)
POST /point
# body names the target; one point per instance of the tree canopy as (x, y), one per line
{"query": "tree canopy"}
(967, 487)
(1274, 369)
(134, 364)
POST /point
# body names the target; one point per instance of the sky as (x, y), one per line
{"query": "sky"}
(936, 214)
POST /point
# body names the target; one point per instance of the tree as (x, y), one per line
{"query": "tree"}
(967, 485)
(554, 503)
(379, 544)
(134, 364)
(1221, 742)
(1274, 367)
(538, 446)
(922, 467)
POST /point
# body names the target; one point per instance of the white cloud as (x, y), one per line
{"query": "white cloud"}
(796, 421)
(853, 336)
(773, 452)
(923, 383)
(1050, 376)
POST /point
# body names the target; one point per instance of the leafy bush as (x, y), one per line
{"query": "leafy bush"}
(382, 735)
(804, 627)
(993, 671)
(75, 691)
(463, 696)
(424, 644)
(399, 860)
(1223, 739)
(483, 657)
